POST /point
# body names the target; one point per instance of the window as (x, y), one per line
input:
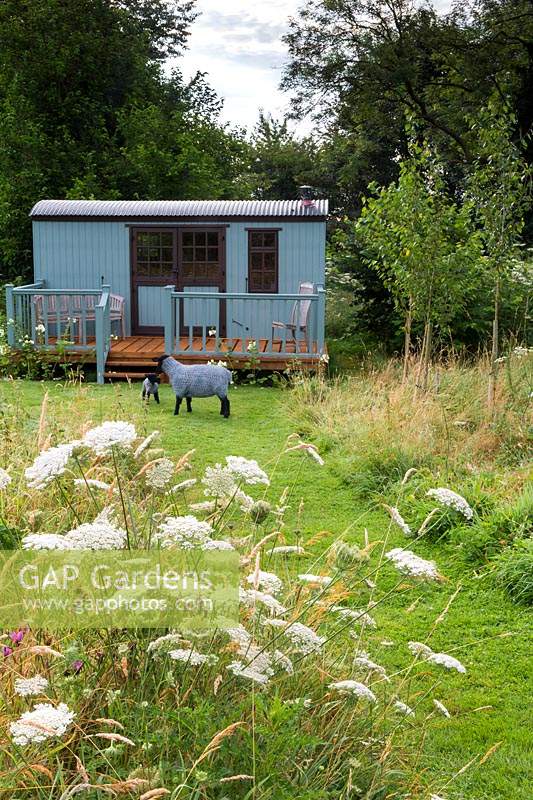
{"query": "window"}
(200, 257)
(154, 253)
(262, 261)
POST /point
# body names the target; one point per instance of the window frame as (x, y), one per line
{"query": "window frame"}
(251, 289)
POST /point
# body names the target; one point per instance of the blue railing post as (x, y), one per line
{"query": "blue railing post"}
(101, 324)
(10, 314)
(168, 320)
(321, 318)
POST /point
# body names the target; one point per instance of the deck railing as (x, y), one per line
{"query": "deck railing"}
(76, 320)
(210, 318)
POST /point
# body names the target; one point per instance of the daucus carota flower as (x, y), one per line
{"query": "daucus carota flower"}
(185, 532)
(452, 500)
(442, 659)
(354, 688)
(92, 483)
(239, 669)
(25, 687)
(160, 474)
(45, 541)
(403, 708)
(48, 465)
(219, 482)
(358, 616)
(5, 478)
(216, 544)
(266, 581)
(44, 722)
(441, 708)
(183, 486)
(108, 435)
(192, 657)
(164, 643)
(399, 520)
(408, 563)
(251, 597)
(303, 639)
(97, 535)
(365, 663)
(246, 470)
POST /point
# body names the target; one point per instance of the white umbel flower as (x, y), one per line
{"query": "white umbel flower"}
(219, 482)
(403, 708)
(239, 669)
(44, 722)
(419, 649)
(45, 541)
(97, 535)
(442, 659)
(160, 474)
(163, 643)
(5, 479)
(108, 435)
(354, 688)
(366, 663)
(399, 520)
(452, 500)
(216, 544)
(92, 483)
(358, 616)
(183, 486)
(192, 657)
(25, 687)
(48, 465)
(303, 639)
(251, 597)
(247, 470)
(267, 581)
(408, 563)
(185, 532)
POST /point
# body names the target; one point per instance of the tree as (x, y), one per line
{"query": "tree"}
(499, 187)
(423, 245)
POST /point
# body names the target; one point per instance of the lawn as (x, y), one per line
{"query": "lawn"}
(490, 635)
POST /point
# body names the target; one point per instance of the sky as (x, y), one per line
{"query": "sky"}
(238, 43)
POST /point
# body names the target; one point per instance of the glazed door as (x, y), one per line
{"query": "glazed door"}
(153, 265)
(202, 268)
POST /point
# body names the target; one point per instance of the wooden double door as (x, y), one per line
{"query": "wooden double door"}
(188, 257)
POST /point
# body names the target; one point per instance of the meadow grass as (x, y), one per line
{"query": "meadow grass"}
(366, 450)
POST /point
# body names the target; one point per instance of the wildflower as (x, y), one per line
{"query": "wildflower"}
(247, 470)
(303, 639)
(442, 708)
(256, 659)
(410, 564)
(249, 597)
(76, 666)
(403, 708)
(399, 520)
(366, 663)
(219, 482)
(160, 473)
(6, 651)
(94, 484)
(216, 544)
(355, 688)
(45, 541)
(192, 657)
(48, 465)
(442, 659)
(97, 535)
(318, 580)
(25, 687)
(259, 511)
(181, 487)
(186, 532)
(244, 501)
(40, 328)
(419, 649)
(287, 549)
(5, 478)
(44, 722)
(240, 670)
(17, 636)
(145, 444)
(251, 346)
(360, 617)
(163, 642)
(453, 500)
(104, 437)
(207, 506)
(265, 580)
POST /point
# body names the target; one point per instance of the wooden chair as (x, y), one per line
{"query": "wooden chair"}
(298, 316)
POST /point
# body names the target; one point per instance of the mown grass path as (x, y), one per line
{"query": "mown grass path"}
(499, 668)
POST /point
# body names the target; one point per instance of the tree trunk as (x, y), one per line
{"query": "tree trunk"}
(426, 355)
(493, 374)
(407, 340)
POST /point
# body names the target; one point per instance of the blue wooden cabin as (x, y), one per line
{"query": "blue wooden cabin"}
(128, 280)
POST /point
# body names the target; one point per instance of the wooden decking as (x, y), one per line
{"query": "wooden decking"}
(131, 357)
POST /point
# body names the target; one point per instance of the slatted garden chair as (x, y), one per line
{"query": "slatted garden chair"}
(77, 305)
(298, 316)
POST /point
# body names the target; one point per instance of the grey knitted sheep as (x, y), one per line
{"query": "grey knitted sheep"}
(198, 380)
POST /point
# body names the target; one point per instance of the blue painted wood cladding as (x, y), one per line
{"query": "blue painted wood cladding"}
(87, 254)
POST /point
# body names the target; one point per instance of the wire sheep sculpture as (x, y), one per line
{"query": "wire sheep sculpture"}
(198, 380)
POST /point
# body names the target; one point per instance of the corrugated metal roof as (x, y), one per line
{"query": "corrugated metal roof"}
(178, 208)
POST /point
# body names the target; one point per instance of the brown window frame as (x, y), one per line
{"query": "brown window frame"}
(252, 288)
